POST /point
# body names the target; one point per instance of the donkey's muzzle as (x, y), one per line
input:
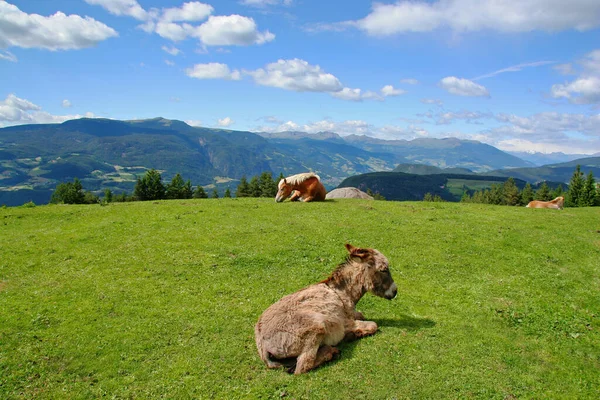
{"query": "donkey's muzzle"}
(391, 292)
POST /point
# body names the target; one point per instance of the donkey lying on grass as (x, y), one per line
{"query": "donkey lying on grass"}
(305, 325)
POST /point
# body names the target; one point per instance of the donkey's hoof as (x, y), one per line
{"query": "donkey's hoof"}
(335, 353)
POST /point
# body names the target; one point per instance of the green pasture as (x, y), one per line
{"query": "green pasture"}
(159, 299)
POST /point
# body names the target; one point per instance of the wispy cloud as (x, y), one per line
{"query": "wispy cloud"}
(8, 56)
(514, 68)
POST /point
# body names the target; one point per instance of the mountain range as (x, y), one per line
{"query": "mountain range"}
(105, 153)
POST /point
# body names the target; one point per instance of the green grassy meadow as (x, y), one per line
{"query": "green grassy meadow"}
(159, 299)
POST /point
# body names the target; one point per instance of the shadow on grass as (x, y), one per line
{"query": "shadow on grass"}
(403, 321)
(406, 322)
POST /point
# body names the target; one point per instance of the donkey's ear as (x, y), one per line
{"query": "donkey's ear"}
(284, 181)
(356, 252)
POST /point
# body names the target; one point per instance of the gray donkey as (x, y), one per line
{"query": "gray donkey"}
(302, 328)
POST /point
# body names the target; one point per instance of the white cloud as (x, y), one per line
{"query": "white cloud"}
(66, 103)
(505, 16)
(212, 71)
(171, 50)
(225, 122)
(437, 102)
(358, 95)
(173, 23)
(463, 87)
(389, 90)
(294, 75)
(409, 81)
(231, 30)
(8, 56)
(193, 122)
(169, 63)
(191, 11)
(591, 62)
(586, 88)
(130, 8)
(348, 94)
(468, 116)
(173, 31)
(297, 75)
(349, 127)
(551, 124)
(265, 3)
(580, 91)
(56, 32)
(17, 111)
(514, 68)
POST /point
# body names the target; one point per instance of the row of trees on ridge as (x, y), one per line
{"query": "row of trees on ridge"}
(151, 187)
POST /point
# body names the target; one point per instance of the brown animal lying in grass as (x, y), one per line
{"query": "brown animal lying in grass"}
(557, 203)
(302, 327)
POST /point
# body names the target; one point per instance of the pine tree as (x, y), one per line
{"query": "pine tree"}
(495, 194)
(108, 196)
(174, 189)
(243, 188)
(187, 192)
(543, 192)
(227, 193)
(588, 195)
(466, 198)
(199, 193)
(215, 194)
(526, 194)
(510, 192)
(559, 191)
(428, 197)
(254, 187)
(575, 188)
(268, 187)
(479, 197)
(150, 187)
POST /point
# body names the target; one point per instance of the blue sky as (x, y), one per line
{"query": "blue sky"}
(522, 76)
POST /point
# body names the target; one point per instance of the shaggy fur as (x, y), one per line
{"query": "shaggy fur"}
(305, 187)
(303, 327)
(557, 203)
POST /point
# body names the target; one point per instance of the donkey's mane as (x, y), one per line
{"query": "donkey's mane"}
(337, 278)
(299, 178)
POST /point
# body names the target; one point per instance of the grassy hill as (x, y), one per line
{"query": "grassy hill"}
(159, 299)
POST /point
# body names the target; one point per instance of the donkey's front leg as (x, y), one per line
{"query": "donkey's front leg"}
(363, 328)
